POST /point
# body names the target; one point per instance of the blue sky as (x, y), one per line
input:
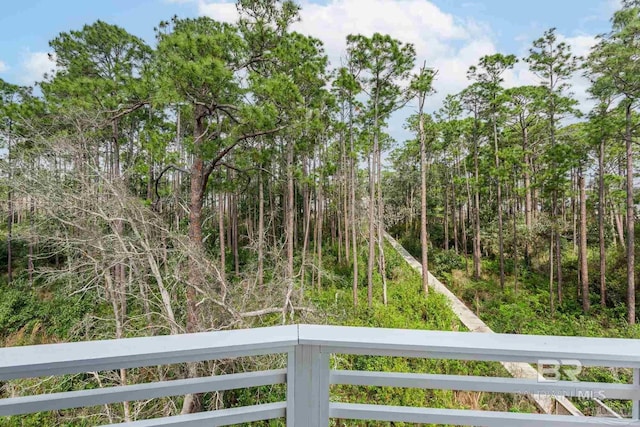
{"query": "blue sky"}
(26, 26)
(450, 35)
(515, 20)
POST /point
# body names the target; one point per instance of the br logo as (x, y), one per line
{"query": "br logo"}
(550, 370)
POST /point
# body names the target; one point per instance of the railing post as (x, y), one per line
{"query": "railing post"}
(635, 404)
(308, 387)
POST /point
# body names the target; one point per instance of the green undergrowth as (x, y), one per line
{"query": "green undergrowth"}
(526, 311)
(407, 308)
(31, 315)
(523, 307)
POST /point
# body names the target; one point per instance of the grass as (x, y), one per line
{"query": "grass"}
(407, 308)
(526, 310)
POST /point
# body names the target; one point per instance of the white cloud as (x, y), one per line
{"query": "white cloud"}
(34, 66)
(221, 11)
(614, 5)
(580, 46)
(3, 67)
(448, 43)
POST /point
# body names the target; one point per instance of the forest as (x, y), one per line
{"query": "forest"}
(229, 176)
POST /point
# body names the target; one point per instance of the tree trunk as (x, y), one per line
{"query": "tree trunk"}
(465, 218)
(499, 201)
(612, 223)
(177, 182)
(551, 243)
(260, 229)
(559, 266)
(119, 268)
(575, 185)
(446, 217)
(380, 203)
(9, 213)
(476, 214)
(558, 245)
(30, 266)
(289, 211)
(197, 184)
(316, 207)
(554, 207)
(112, 292)
(116, 149)
(619, 225)
(354, 231)
(345, 200)
(528, 201)
(336, 223)
(226, 208)
(584, 266)
(150, 181)
(222, 232)
(631, 287)
(234, 231)
(306, 213)
(515, 232)
(250, 220)
(319, 224)
(372, 233)
(196, 197)
(601, 213)
(454, 218)
(424, 244)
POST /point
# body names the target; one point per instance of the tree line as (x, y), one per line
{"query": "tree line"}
(197, 184)
(522, 176)
(210, 180)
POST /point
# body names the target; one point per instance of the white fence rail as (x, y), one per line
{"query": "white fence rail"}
(550, 404)
(308, 375)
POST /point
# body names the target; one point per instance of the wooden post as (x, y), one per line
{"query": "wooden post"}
(308, 387)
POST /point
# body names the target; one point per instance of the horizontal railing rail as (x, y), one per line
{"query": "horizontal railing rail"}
(71, 358)
(117, 394)
(309, 377)
(611, 352)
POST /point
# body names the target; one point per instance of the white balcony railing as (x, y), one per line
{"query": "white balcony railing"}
(308, 375)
